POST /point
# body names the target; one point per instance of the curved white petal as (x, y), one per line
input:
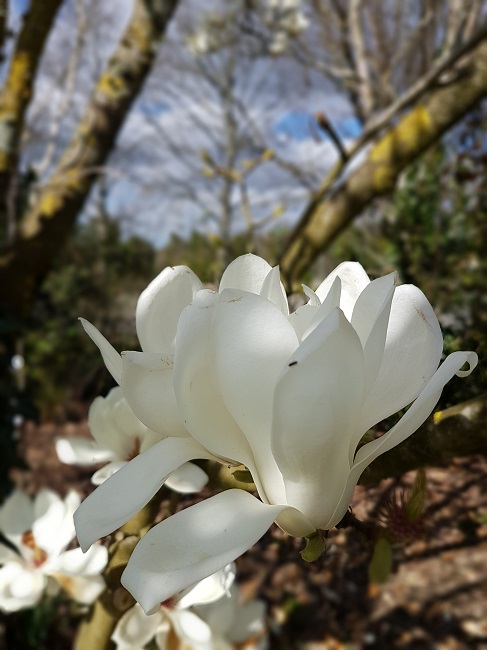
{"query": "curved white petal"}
(104, 473)
(83, 589)
(194, 633)
(77, 563)
(187, 479)
(316, 403)
(135, 629)
(124, 493)
(247, 272)
(53, 528)
(411, 355)
(330, 302)
(419, 410)
(250, 342)
(147, 382)
(81, 451)
(204, 413)
(354, 280)
(19, 588)
(185, 548)
(249, 622)
(114, 425)
(112, 359)
(273, 290)
(16, 516)
(210, 589)
(161, 304)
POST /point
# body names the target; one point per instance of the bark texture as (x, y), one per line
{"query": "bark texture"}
(330, 212)
(43, 230)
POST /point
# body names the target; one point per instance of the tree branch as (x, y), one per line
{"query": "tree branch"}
(334, 207)
(45, 227)
(17, 91)
(457, 431)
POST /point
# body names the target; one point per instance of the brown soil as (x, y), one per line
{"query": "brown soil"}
(436, 597)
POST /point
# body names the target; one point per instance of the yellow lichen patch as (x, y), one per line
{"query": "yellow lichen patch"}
(18, 87)
(406, 137)
(395, 149)
(437, 417)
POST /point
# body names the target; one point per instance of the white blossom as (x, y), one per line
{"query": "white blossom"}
(290, 396)
(119, 436)
(40, 530)
(209, 616)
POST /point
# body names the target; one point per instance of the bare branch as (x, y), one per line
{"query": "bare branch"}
(47, 224)
(330, 212)
(457, 431)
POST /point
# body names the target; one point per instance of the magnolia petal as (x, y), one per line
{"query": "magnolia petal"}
(331, 302)
(53, 528)
(370, 319)
(370, 304)
(112, 359)
(83, 589)
(249, 622)
(135, 629)
(209, 589)
(160, 305)
(193, 549)
(302, 317)
(115, 426)
(411, 355)
(354, 280)
(147, 382)
(200, 404)
(313, 299)
(194, 633)
(187, 479)
(16, 516)
(247, 272)
(77, 563)
(81, 451)
(19, 588)
(104, 473)
(249, 344)
(124, 493)
(273, 290)
(407, 425)
(325, 377)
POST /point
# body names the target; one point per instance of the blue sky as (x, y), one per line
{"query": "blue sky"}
(298, 124)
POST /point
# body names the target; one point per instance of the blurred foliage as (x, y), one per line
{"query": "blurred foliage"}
(99, 276)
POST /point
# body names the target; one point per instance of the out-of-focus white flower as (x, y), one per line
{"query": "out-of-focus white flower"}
(286, 20)
(119, 436)
(208, 617)
(40, 530)
(290, 396)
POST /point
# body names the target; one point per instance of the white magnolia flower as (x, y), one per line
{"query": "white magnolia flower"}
(288, 395)
(119, 436)
(216, 621)
(40, 530)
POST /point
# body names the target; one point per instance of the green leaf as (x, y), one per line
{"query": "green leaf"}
(380, 565)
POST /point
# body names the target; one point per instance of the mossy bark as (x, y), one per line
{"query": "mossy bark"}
(43, 230)
(330, 212)
(458, 431)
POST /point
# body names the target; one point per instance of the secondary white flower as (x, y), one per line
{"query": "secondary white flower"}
(119, 436)
(211, 617)
(40, 530)
(288, 395)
